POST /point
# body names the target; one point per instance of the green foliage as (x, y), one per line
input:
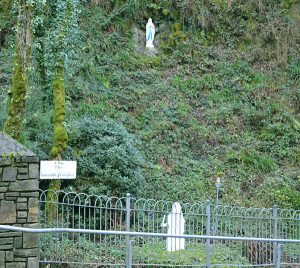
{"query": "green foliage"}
(84, 249)
(176, 37)
(55, 27)
(287, 196)
(294, 69)
(253, 159)
(7, 19)
(37, 134)
(216, 99)
(156, 253)
(107, 153)
(62, 31)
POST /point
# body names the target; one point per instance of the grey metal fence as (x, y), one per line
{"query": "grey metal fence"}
(203, 223)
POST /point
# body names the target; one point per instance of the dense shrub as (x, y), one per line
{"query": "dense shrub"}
(107, 153)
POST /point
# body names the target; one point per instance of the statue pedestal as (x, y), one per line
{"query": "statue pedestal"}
(151, 51)
(149, 44)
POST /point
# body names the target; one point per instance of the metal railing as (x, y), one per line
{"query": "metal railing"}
(127, 232)
(129, 263)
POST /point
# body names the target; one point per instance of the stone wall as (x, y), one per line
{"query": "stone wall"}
(19, 184)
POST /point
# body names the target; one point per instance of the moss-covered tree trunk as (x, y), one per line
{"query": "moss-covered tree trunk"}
(17, 100)
(60, 138)
(65, 19)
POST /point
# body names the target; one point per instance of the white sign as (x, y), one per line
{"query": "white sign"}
(58, 170)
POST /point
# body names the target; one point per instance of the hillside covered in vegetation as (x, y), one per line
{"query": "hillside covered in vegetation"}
(219, 98)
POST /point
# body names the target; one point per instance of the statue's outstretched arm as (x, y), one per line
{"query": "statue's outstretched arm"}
(163, 223)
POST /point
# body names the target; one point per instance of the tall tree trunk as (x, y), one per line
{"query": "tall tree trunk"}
(16, 104)
(65, 22)
(60, 134)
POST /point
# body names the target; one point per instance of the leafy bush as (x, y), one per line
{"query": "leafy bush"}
(253, 159)
(81, 248)
(294, 69)
(108, 153)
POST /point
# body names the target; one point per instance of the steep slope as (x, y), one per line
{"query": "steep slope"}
(200, 109)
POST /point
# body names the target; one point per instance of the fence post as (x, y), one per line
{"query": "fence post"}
(130, 254)
(275, 235)
(207, 233)
(128, 244)
(278, 255)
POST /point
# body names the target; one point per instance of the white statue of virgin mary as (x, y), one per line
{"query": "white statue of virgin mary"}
(175, 224)
(150, 32)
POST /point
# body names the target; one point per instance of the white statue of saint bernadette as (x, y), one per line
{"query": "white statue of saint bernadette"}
(150, 32)
(175, 224)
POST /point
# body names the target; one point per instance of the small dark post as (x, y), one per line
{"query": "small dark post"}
(207, 233)
(275, 235)
(128, 245)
